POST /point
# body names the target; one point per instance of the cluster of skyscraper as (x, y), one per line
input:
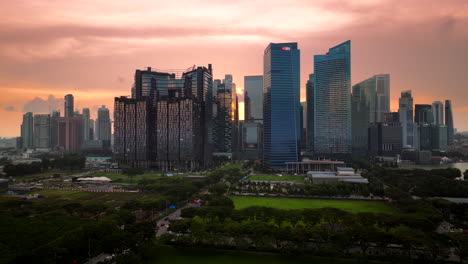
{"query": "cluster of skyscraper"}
(180, 121)
(71, 133)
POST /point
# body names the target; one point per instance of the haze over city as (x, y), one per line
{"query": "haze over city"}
(92, 49)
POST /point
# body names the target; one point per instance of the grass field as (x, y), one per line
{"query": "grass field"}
(210, 256)
(241, 202)
(291, 178)
(60, 197)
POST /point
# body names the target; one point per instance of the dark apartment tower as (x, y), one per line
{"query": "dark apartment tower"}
(449, 122)
(168, 124)
(224, 123)
(385, 139)
(42, 131)
(132, 132)
(86, 123)
(69, 105)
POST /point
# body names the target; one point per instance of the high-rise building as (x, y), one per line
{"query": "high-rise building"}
(362, 111)
(69, 133)
(423, 114)
(310, 113)
(385, 138)
(103, 126)
(42, 131)
(332, 102)
(168, 125)
(86, 124)
(27, 131)
(449, 122)
(252, 127)
(224, 123)
(281, 106)
(54, 129)
(438, 113)
(91, 129)
(406, 119)
(253, 90)
(69, 105)
(132, 132)
(382, 105)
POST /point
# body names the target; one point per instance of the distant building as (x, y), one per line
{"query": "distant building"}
(103, 126)
(310, 113)
(252, 128)
(27, 131)
(225, 119)
(438, 113)
(54, 129)
(449, 122)
(370, 101)
(342, 175)
(281, 106)
(423, 114)
(69, 105)
(69, 133)
(42, 131)
(332, 102)
(409, 130)
(86, 124)
(385, 139)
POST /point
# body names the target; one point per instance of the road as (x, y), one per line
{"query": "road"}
(175, 215)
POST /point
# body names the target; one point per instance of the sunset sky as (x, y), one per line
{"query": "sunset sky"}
(91, 48)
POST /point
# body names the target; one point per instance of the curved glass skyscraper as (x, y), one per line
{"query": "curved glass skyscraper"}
(281, 106)
(332, 101)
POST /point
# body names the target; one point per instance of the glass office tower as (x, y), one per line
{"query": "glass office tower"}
(281, 106)
(406, 119)
(332, 103)
(449, 122)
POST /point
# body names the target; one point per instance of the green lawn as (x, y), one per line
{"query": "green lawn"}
(241, 202)
(291, 178)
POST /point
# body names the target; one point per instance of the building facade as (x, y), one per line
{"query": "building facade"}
(69, 133)
(409, 131)
(69, 105)
(332, 102)
(42, 131)
(103, 126)
(438, 113)
(27, 131)
(449, 122)
(281, 107)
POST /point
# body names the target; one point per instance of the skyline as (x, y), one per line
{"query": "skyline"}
(58, 48)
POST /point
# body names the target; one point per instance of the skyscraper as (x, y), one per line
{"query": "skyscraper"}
(449, 122)
(438, 113)
(281, 107)
(86, 124)
(42, 131)
(332, 103)
(103, 127)
(423, 114)
(54, 129)
(69, 133)
(69, 105)
(27, 131)
(253, 89)
(166, 129)
(310, 113)
(406, 119)
(224, 129)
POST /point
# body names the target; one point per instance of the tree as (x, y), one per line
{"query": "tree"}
(218, 189)
(131, 172)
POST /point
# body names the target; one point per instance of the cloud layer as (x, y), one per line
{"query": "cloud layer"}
(91, 48)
